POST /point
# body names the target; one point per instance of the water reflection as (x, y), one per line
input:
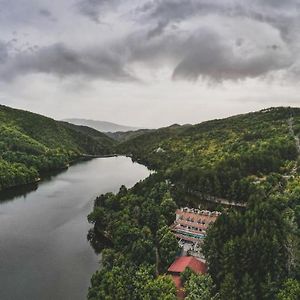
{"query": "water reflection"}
(10, 194)
(23, 190)
(44, 252)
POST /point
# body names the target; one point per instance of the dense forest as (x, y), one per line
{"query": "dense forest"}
(132, 227)
(32, 144)
(252, 250)
(222, 158)
(122, 136)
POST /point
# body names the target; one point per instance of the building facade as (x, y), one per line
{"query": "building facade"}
(191, 224)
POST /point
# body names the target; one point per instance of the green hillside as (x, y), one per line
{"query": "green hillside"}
(31, 144)
(122, 136)
(248, 165)
(222, 157)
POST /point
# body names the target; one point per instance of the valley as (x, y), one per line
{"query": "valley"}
(245, 167)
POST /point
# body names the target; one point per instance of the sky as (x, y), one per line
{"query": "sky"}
(149, 63)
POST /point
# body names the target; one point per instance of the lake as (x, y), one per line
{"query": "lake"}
(44, 252)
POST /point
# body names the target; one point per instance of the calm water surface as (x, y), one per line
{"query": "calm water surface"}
(44, 253)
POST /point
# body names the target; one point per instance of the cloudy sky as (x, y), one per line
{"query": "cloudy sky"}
(149, 62)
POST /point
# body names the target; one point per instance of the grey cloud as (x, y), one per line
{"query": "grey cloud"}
(211, 58)
(281, 14)
(3, 52)
(18, 12)
(210, 54)
(168, 11)
(45, 12)
(158, 29)
(206, 50)
(63, 61)
(94, 9)
(203, 53)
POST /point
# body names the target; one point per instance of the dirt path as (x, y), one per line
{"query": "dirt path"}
(216, 199)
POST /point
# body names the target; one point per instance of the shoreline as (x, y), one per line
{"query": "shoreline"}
(44, 175)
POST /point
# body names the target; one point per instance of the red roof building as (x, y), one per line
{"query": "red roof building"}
(179, 265)
(183, 262)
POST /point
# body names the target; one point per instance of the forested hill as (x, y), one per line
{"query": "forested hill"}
(220, 156)
(252, 250)
(122, 136)
(31, 144)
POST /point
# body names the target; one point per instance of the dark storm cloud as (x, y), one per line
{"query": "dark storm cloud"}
(279, 13)
(63, 61)
(215, 40)
(209, 54)
(212, 58)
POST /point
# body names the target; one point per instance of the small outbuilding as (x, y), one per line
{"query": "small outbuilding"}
(178, 267)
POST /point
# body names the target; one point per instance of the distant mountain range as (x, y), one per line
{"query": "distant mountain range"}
(102, 126)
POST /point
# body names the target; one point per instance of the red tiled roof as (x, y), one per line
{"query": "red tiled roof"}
(196, 217)
(194, 224)
(181, 263)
